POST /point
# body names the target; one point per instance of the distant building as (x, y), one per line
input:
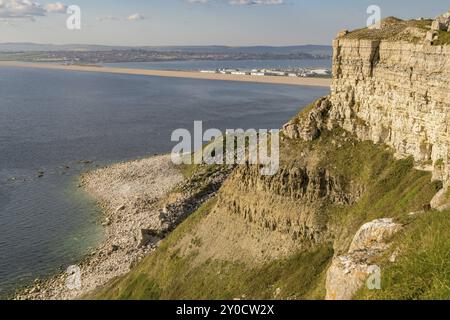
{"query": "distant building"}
(274, 73)
(321, 72)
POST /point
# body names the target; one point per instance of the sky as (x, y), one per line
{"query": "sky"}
(197, 22)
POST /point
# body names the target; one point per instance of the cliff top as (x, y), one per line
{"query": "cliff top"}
(434, 32)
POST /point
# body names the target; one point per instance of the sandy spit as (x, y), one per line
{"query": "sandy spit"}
(132, 196)
(315, 82)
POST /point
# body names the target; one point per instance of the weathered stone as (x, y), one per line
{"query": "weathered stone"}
(374, 235)
(431, 36)
(441, 201)
(146, 237)
(344, 277)
(308, 126)
(436, 26)
(348, 272)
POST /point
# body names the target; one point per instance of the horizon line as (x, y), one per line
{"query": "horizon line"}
(169, 45)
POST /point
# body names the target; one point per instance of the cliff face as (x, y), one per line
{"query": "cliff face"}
(396, 93)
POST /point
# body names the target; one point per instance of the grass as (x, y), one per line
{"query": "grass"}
(413, 31)
(167, 275)
(443, 38)
(394, 30)
(421, 271)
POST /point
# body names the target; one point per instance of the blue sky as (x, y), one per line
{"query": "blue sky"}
(197, 22)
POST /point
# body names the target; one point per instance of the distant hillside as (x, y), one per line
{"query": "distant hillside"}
(310, 49)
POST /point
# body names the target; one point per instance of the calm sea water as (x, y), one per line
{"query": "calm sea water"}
(50, 120)
(213, 65)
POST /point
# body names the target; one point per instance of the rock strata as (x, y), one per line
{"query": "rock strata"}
(391, 92)
(395, 93)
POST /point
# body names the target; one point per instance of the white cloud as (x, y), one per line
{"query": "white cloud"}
(56, 7)
(19, 9)
(135, 17)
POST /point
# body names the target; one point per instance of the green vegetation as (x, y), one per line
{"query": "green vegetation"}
(443, 38)
(166, 275)
(394, 29)
(21, 56)
(421, 270)
(439, 163)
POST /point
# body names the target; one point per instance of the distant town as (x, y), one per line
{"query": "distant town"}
(278, 72)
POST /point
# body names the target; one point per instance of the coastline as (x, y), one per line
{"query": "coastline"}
(314, 82)
(142, 201)
(131, 195)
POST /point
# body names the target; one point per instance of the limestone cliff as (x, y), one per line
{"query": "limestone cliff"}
(395, 92)
(391, 86)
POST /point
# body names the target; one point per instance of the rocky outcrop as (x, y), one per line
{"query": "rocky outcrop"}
(308, 127)
(441, 201)
(441, 23)
(349, 272)
(288, 202)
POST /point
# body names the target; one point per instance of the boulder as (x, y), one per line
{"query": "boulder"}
(348, 272)
(374, 235)
(146, 237)
(441, 201)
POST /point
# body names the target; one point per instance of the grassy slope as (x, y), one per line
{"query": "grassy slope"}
(165, 275)
(422, 269)
(392, 189)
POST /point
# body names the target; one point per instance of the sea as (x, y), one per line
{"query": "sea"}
(56, 124)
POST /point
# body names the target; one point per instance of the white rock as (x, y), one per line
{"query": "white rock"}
(348, 272)
(374, 235)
